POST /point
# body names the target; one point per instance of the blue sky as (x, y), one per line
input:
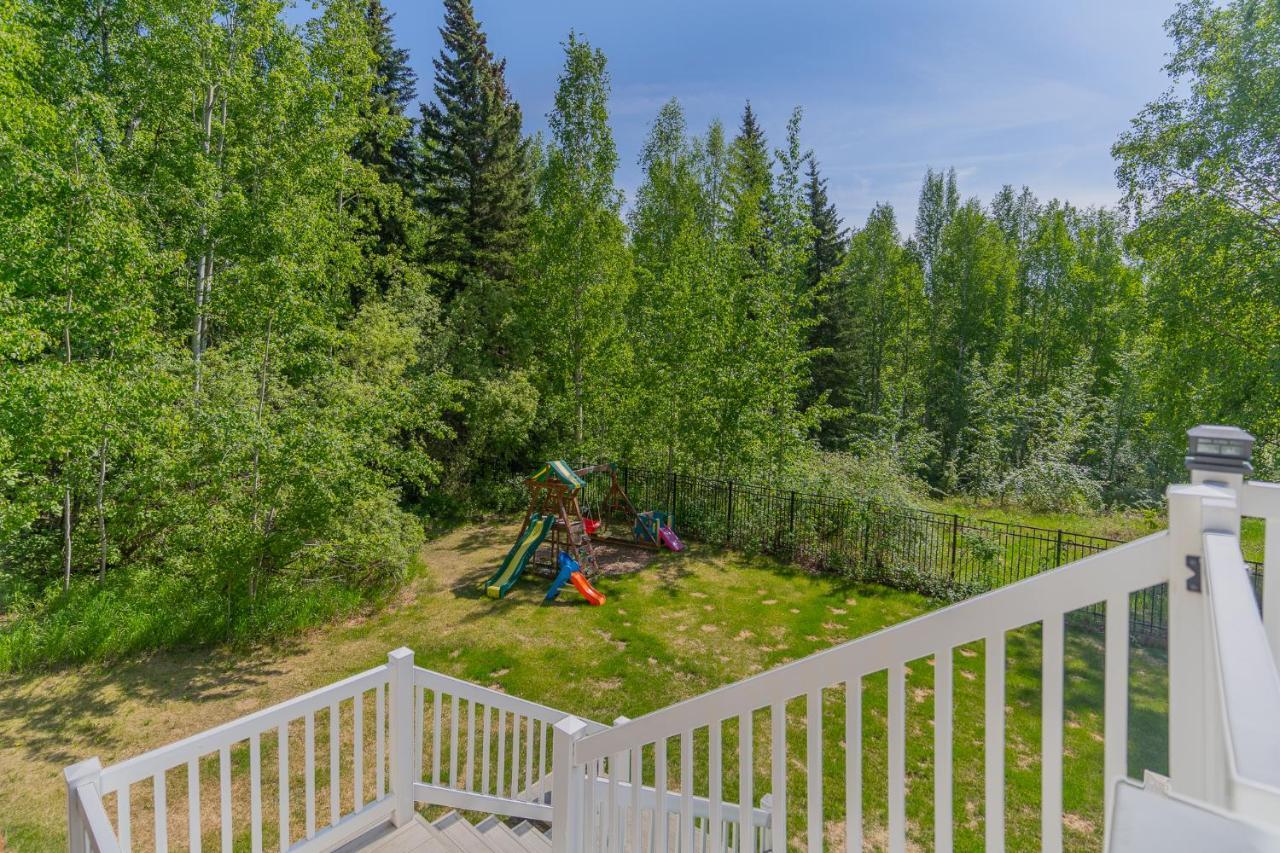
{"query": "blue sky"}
(1024, 92)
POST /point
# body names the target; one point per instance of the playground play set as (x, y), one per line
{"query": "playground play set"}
(556, 516)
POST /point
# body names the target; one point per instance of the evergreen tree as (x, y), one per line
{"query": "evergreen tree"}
(875, 305)
(476, 177)
(386, 143)
(749, 180)
(825, 255)
(829, 238)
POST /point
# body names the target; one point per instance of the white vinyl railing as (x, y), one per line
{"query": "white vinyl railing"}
(321, 769)
(1106, 577)
(375, 746)
(486, 751)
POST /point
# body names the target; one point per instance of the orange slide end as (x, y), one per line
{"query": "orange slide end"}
(589, 592)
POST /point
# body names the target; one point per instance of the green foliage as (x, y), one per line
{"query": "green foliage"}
(576, 313)
(1199, 166)
(255, 321)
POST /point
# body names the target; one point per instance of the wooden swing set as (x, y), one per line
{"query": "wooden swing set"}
(558, 490)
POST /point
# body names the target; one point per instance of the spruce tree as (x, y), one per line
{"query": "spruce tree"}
(828, 235)
(390, 229)
(475, 172)
(386, 144)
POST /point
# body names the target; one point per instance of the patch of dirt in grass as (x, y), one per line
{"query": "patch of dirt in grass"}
(1078, 824)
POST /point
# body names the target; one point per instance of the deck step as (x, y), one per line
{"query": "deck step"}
(451, 833)
(531, 838)
(499, 837)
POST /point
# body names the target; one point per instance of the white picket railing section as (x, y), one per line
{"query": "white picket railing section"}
(1107, 577)
(485, 751)
(399, 735)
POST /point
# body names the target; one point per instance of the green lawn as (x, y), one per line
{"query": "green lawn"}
(684, 625)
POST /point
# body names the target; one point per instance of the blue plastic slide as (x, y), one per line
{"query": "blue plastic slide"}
(567, 566)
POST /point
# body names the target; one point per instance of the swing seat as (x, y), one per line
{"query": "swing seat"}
(591, 525)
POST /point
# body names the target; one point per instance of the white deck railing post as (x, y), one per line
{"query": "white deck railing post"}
(566, 788)
(1188, 761)
(403, 739)
(1207, 503)
(77, 775)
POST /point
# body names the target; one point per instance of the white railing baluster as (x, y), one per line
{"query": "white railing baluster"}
(853, 764)
(942, 819)
(469, 774)
(514, 763)
(500, 776)
(255, 792)
(357, 751)
(193, 804)
(282, 754)
(380, 739)
(612, 841)
(335, 766)
(778, 730)
(715, 783)
(636, 778)
(453, 742)
(420, 739)
(224, 796)
(591, 818)
(542, 763)
(686, 790)
(484, 751)
(1115, 715)
(993, 742)
(309, 770)
(436, 717)
(660, 822)
(528, 754)
(813, 758)
(897, 734)
(161, 813)
(746, 775)
(1051, 736)
(124, 818)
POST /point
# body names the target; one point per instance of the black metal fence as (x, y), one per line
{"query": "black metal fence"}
(939, 554)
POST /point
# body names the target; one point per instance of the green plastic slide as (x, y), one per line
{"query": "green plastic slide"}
(518, 557)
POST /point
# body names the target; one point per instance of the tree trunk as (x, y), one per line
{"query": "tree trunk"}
(204, 270)
(102, 516)
(257, 444)
(66, 464)
(66, 532)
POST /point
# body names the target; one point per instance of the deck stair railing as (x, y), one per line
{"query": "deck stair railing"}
(371, 748)
(399, 736)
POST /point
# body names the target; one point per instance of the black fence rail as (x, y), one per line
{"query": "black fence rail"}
(939, 554)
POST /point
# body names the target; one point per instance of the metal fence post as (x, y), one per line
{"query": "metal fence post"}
(955, 536)
(671, 502)
(1058, 559)
(728, 526)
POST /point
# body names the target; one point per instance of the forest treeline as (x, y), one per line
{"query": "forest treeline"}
(261, 313)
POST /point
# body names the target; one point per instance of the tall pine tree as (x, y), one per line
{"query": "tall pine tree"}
(824, 257)
(476, 179)
(386, 143)
(829, 237)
